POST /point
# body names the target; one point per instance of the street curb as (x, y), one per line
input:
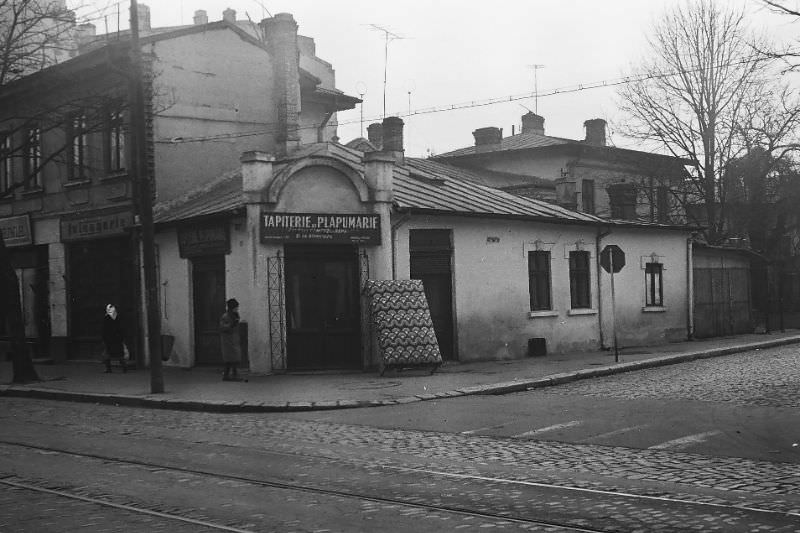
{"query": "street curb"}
(159, 402)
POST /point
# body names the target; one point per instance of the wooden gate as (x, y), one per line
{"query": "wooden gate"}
(722, 302)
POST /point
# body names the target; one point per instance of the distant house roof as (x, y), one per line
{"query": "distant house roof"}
(536, 141)
(420, 185)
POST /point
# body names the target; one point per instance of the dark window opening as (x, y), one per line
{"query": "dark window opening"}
(587, 196)
(622, 200)
(539, 280)
(579, 280)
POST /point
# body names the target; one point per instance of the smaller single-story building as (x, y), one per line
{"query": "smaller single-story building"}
(295, 238)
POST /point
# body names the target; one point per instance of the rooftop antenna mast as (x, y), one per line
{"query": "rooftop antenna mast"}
(361, 87)
(536, 68)
(389, 36)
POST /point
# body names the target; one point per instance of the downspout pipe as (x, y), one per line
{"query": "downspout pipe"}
(602, 232)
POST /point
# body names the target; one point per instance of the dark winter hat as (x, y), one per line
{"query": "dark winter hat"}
(232, 304)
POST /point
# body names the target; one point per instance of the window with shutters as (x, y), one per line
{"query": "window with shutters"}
(539, 280)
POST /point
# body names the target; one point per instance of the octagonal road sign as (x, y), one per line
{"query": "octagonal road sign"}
(612, 255)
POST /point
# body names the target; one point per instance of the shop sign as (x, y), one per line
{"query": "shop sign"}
(17, 230)
(95, 226)
(321, 227)
(194, 241)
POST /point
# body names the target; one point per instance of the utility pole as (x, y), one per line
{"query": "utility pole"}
(144, 197)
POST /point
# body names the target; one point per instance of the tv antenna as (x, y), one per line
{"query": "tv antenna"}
(388, 36)
(361, 88)
(536, 68)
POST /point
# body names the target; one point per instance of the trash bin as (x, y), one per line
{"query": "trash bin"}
(537, 347)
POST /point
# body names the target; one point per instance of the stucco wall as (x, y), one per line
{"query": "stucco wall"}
(491, 292)
(637, 325)
(175, 290)
(225, 90)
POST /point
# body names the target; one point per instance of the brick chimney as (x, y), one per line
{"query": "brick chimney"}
(229, 15)
(532, 123)
(144, 17)
(281, 33)
(595, 132)
(487, 138)
(375, 135)
(200, 17)
(393, 137)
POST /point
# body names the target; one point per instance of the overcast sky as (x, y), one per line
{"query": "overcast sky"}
(454, 52)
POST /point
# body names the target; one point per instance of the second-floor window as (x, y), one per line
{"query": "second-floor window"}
(539, 280)
(579, 280)
(6, 166)
(622, 201)
(115, 141)
(662, 204)
(78, 157)
(33, 159)
(587, 196)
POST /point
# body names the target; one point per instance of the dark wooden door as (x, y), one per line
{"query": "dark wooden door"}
(431, 262)
(322, 308)
(208, 280)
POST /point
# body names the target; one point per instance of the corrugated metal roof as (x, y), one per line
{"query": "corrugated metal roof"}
(419, 185)
(429, 185)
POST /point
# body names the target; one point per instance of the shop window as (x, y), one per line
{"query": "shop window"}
(114, 141)
(579, 280)
(33, 158)
(654, 284)
(6, 167)
(587, 196)
(77, 162)
(622, 201)
(539, 280)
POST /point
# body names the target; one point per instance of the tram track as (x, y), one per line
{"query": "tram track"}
(316, 490)
(257, 482)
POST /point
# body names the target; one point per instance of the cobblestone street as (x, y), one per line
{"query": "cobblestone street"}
(257, 472)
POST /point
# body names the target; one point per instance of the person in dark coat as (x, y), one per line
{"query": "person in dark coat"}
(113, 338)
(230, 340)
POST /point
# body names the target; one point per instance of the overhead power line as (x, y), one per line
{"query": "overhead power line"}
(272, 127)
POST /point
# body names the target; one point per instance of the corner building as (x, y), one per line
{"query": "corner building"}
(294, 237)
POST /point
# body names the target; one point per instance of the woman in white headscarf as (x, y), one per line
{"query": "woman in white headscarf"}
(113, 338)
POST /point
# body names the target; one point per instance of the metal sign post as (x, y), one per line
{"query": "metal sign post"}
(613, 310)
(612, 259)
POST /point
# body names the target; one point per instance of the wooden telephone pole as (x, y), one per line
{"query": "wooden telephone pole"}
(144, 200)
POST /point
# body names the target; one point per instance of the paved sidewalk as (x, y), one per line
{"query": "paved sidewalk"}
(201, 389)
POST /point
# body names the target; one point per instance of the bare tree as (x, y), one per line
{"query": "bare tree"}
(34, 34)
(690, 98)
(790, 56)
